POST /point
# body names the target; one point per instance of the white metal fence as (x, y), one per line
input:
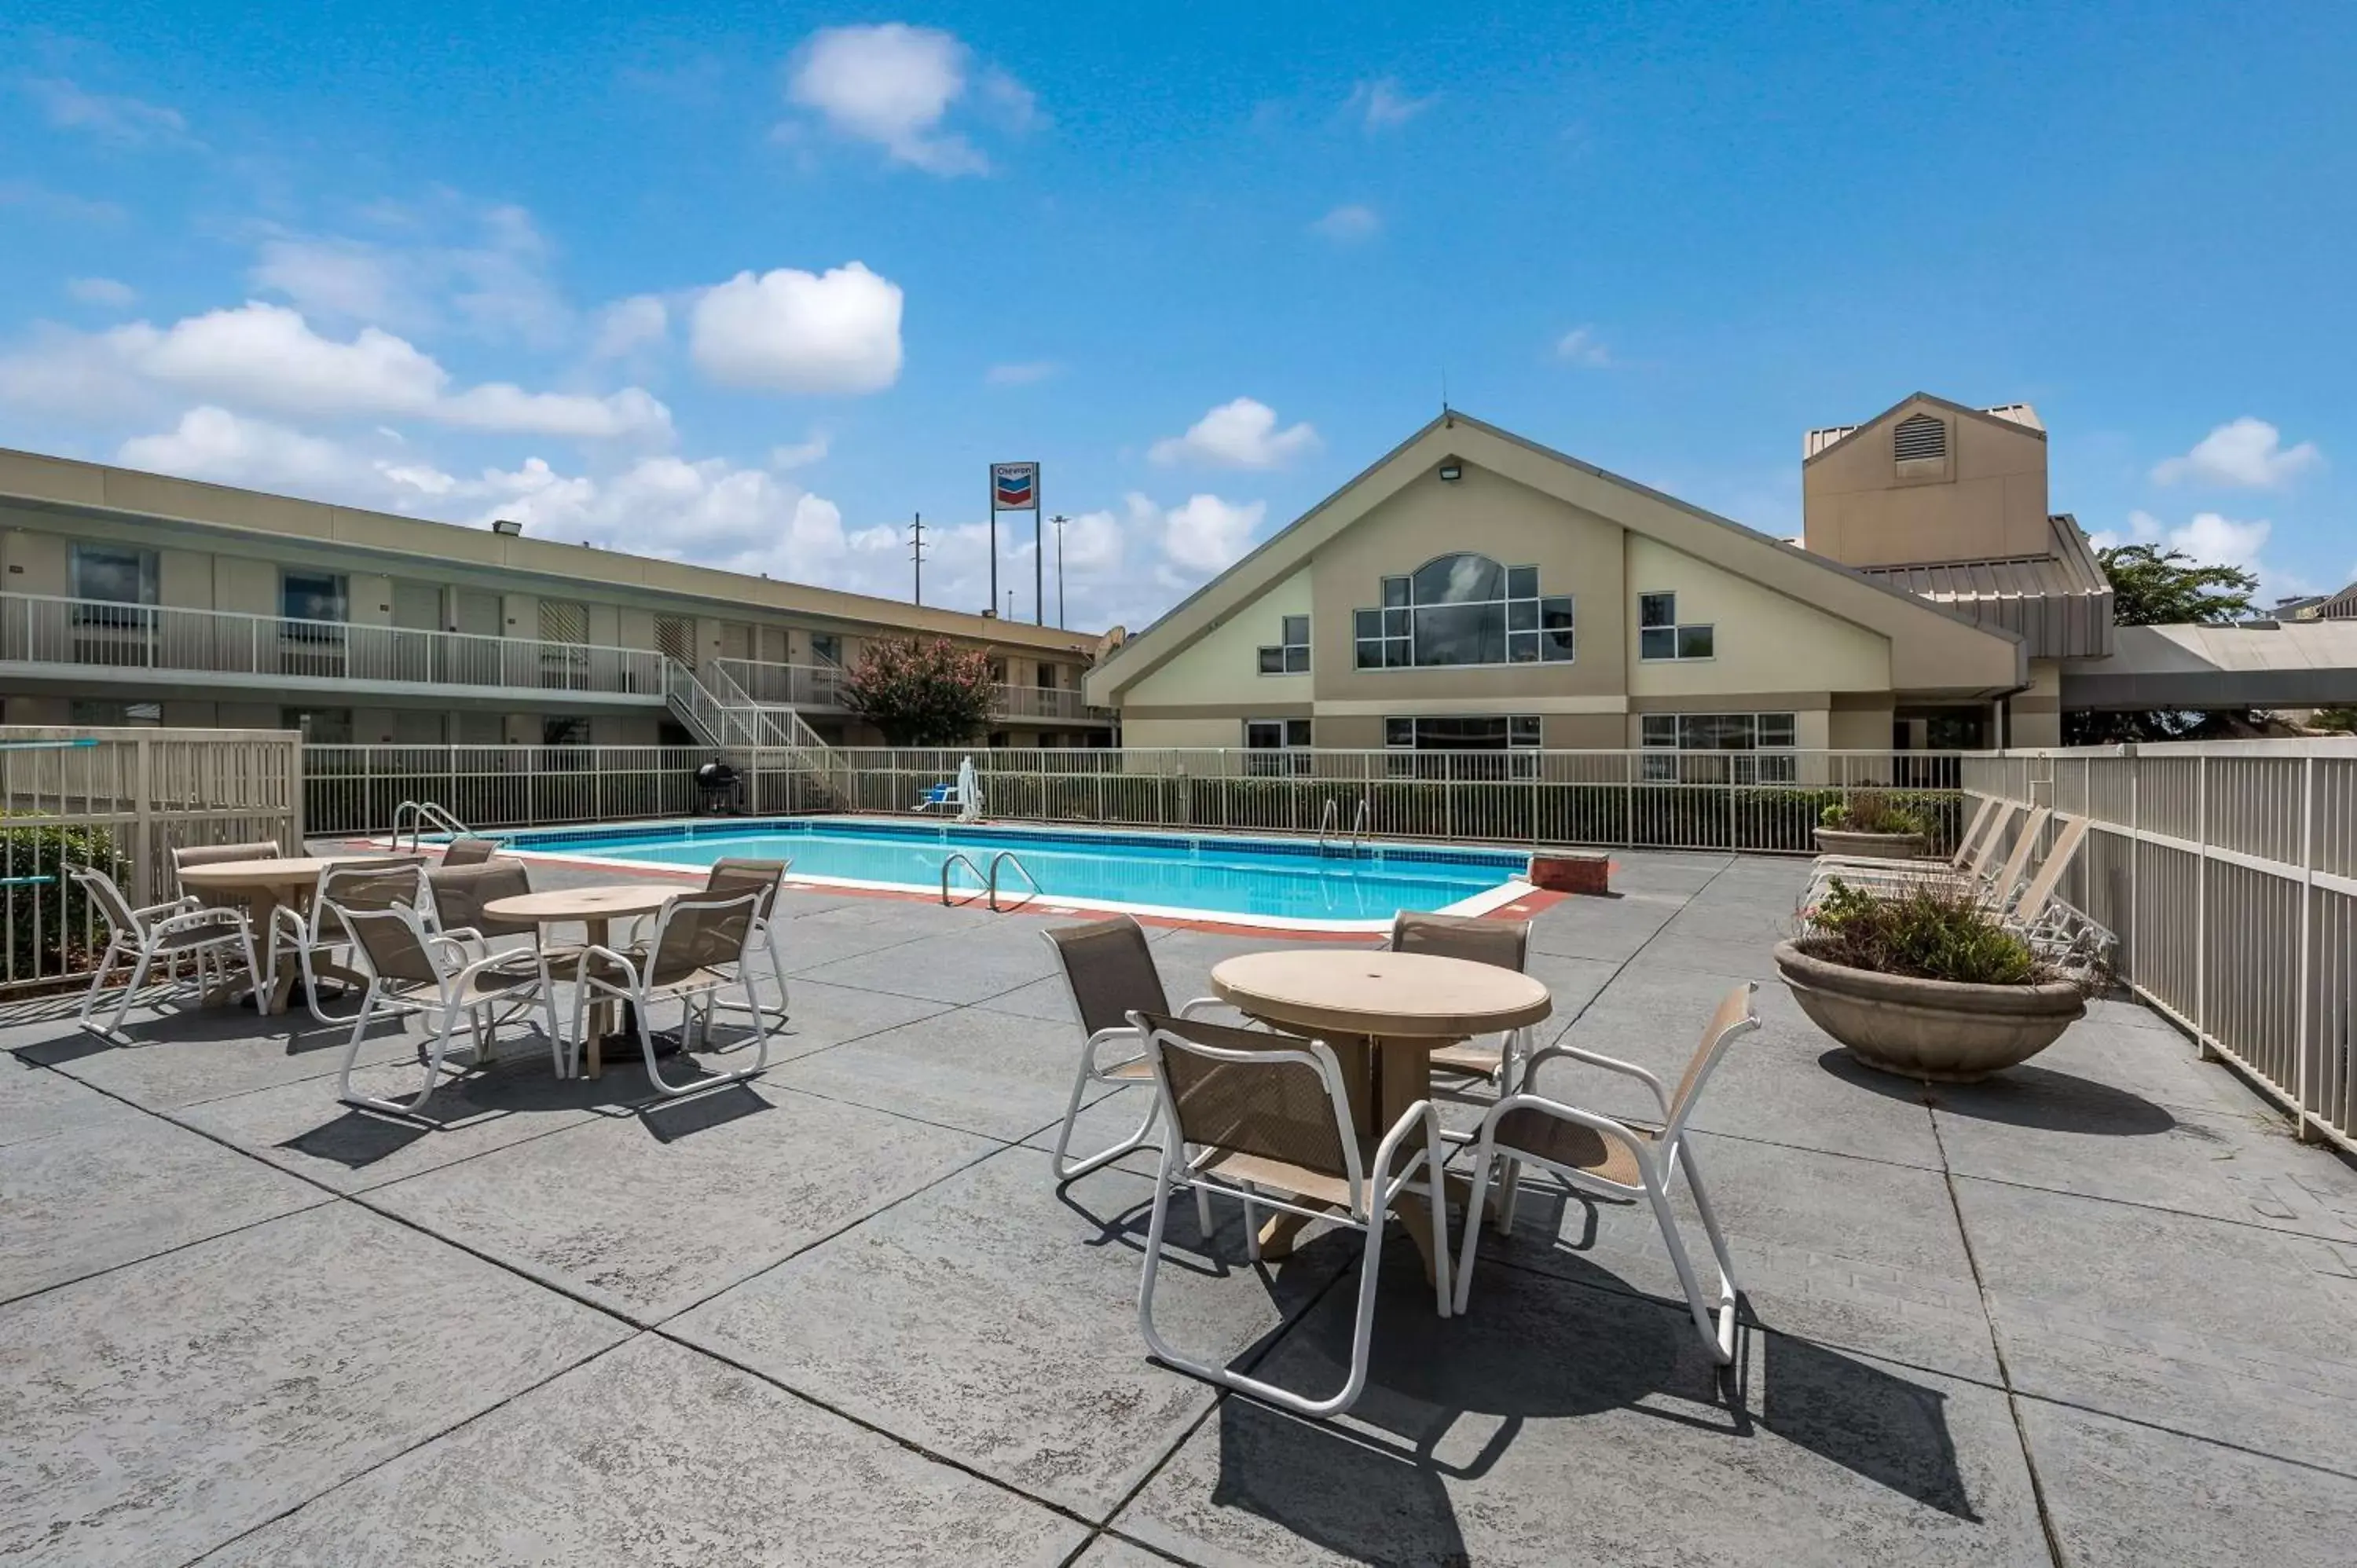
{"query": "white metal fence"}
(122, 800)
(2229, 872)
(1743, 800)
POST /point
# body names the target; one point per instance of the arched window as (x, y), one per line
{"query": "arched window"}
(1463, 609)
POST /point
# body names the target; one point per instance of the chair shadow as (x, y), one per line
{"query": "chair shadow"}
(671, 1120)
(2029, 1096)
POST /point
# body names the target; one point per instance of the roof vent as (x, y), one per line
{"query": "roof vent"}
(1919, 436)
(506, 525)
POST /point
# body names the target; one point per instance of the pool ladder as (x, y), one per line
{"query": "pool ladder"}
(988, 879)
(421, 815)
(1330, 826)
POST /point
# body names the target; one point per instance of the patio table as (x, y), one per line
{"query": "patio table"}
(264, 885)
(597, 908)
(1384, 1014)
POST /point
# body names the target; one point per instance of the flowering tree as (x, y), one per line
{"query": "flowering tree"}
(922, 692)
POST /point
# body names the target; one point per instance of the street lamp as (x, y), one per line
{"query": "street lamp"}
(1060, 520)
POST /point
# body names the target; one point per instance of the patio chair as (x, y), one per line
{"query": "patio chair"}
(1504, 944)
(468, 849)
(700, 945)
(312, 936)
(183, 927)
(945, 797)
(460, 895)
(1111, 974)
(1624, 1161)
(1996, 889)
(447, 975)
(1986, 818)
(186, 855)
(1264, 1117)
(734, 874)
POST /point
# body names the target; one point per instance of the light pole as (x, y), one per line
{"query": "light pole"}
(1060, 520)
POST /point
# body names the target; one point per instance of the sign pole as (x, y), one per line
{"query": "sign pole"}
(994, 540)
(1038, 558)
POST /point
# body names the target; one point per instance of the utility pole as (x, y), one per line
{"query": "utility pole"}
(1010, 603)
(1060, 520)
(1039, 566)
(916, 553)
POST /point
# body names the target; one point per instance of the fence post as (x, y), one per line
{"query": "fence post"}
(143, 810)
(2201, 907)
(2304, 1010)
(297, 806)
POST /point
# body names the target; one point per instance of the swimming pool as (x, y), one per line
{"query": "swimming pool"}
(1251, 881)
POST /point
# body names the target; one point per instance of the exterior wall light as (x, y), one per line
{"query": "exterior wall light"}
(1451, 472)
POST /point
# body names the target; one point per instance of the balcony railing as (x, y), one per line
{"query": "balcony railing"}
(821, 686)
(98, 634)
(1041, 702)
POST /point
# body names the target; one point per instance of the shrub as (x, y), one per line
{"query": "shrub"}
(1870, 811)
(52, 925)
(1926, 933)
(922, 692)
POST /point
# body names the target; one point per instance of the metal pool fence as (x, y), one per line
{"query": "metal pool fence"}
(1744, 800)
(120, 801)
(2229, 871)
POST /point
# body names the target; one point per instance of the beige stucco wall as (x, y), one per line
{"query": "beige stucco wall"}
(1577, 552)
(1987, 501)
(1221, 733)
(1223, 667)
(1762, 639)
(1859, 729)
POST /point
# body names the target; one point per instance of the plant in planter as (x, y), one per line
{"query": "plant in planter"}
(1872, 827)
(1927, 983)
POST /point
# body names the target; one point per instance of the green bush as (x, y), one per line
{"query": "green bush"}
(1926, 933)
(1873, 811)
(52, 927)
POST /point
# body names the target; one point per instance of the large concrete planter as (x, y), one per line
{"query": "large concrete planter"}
(1937, 1029)
(1870, 847)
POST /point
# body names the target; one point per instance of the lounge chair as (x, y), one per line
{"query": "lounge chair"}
(1996, 889)
(1506, 944)
(448, 975)
(183, 927)
(1988, 819)
(1264, 1117)
(1111, 972)
(700, 945)
(1596, 1152)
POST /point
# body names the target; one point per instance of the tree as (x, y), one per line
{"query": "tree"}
(922, 692)
(2153, 586)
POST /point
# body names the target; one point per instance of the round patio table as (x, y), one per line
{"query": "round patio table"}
(264, 885)
(1384, 1014)
(597, 908)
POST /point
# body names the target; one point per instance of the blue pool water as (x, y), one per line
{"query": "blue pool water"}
(1212, 874)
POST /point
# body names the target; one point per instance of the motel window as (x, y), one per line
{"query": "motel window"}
(564, 729)
(1277, 746)
(1661, 636)
(1463, 746)
(1463, 610)
(117, 576)
(1290, 654)
(320, 726)
(312, 595)
(826, 647)
(1693, 748)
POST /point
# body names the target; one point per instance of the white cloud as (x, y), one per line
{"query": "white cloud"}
(122, 122)
(213, 444)
(1019, 375)
(627, 326)
(2209, 539)
(793, 331)
(1349, 223)
(1580, 347)
(798, 454)
(1238, 434)
(268, 358)
(711, 513)
(2247, 452)
(893, 84)
(110, 293)
(491, 278)
(1208, 534)
(339, 279)
(1381, 105)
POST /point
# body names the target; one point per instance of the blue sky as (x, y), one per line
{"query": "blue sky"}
(750, 284)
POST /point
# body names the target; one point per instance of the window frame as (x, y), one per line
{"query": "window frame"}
(143, 566)
(1677, 631)
(1288, 754)
(1283, 652)
(1384, 635)
(1665, 761)
(1524, 735)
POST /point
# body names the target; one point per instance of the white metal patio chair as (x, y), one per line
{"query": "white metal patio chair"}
(1264, 1117)
(1502, 944)
(447, 975)
(732, 874)
(1994, 889)
(1111, 974)
(700, 945)
(311, 937)
(468, 849)
(160, 932)
(186, 855)
(1959, 860)
(1586, 1149)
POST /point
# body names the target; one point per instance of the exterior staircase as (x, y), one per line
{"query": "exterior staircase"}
(717, 711)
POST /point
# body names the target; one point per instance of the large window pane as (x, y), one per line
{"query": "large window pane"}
(1395, 623)
(1272, 661)
(119, 576)
(311, 596)
(1399, 732)
(1776, 729)
(1716, 732)
(1660, 729)
(1695, 642)
(1365, 624)
(1295, 629)
(1297, 659)
(1523, 614)
(1394, 593)
(1521, 648)
(1522, 582)
(1370, 653)
(1472, 634)
(1657, 643)
(1460, 580)
(1522, 731)
(1657, 609)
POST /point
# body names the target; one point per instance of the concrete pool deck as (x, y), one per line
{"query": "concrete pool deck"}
(2101, 1311)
